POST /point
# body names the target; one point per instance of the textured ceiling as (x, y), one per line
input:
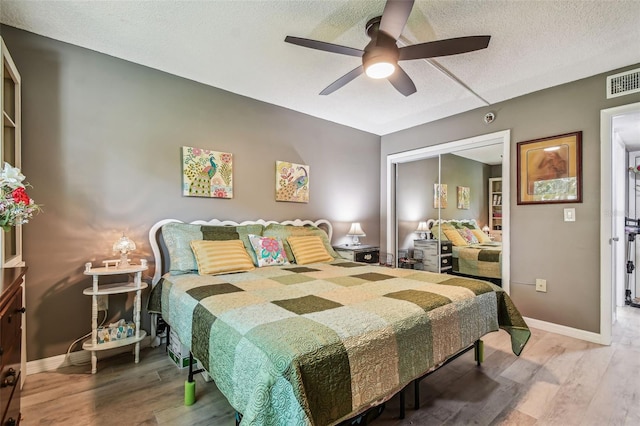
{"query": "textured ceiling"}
(238, 46)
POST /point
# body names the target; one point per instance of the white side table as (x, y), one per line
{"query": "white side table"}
(127, 287)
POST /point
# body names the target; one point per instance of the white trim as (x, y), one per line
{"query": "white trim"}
(78, 357)
(576, 333)
(606, 209)
(503, 136)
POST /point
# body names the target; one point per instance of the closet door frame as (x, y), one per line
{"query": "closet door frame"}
(393, 160)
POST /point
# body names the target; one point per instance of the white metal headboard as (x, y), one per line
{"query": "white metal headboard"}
(156, 230)
(432, 222)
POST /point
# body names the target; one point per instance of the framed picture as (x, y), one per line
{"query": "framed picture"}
(550, 170)
(464, 197)
(439, 195)
(206, 173)
(292, 182)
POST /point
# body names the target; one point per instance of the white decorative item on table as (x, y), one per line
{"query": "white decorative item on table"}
(106, 289)
(123, 246)
(355, 232)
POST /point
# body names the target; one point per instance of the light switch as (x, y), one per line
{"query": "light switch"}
(570, 215)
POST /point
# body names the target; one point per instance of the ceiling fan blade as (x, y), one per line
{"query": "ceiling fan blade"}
(451, 46)
(395, 16)
(343, 80)
(402, 82)
(327, 47)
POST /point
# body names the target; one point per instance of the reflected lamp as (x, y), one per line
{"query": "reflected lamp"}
(422, 229)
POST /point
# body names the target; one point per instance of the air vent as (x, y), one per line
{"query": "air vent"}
(625, 83)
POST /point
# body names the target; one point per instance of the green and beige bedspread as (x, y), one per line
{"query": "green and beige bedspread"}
(316, 344)
(480, 260)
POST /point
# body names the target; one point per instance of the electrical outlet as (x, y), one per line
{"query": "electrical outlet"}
(103, 302)
(541, 285)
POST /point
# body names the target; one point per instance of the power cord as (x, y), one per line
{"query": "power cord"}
(67, 357)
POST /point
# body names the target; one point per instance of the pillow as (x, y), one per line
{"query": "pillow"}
(481, 236)
(221, 257)
(177, 237)
(455, 237)
(439, 229)
(309, 250)
(286, 231)
(469, 225)
(268, 250)
(468, 235)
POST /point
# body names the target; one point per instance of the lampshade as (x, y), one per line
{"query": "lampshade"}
(123, 246)
(486, 229)
(356, 231)
(422, 229)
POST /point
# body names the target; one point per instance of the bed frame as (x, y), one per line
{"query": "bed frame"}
(432, 222)
(161, 267)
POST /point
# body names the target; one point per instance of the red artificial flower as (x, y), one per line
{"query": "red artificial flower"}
(20, 196)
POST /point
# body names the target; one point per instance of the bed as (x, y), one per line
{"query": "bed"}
(321, 342)
(479, 257)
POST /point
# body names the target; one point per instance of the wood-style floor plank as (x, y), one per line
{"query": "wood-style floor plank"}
(556, 380)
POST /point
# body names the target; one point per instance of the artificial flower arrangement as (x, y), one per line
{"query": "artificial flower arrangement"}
(16, 207)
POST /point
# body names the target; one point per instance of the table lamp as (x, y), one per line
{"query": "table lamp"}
(422, 230)
(124, 245)
(486, 229)
(356, 232)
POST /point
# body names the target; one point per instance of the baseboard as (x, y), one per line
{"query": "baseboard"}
(576, 333)
(78, 357)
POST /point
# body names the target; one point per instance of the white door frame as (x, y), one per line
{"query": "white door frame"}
(503, 136)
(606, 214)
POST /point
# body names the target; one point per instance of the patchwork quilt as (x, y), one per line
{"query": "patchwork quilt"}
(479, 260)
(320, 343)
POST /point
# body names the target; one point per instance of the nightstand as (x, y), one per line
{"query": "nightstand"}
(436, 255)
(106, 289)
(359, 253)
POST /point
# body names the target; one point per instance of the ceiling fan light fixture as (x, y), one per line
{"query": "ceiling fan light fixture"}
(381, 69)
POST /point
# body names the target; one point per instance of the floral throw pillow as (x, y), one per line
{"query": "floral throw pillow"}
(468, 235)
(268, 250)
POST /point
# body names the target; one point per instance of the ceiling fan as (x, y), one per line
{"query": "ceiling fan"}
(380, 57)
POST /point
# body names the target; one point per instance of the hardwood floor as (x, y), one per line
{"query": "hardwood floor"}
(556, 381)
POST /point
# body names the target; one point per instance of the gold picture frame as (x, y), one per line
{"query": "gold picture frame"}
(550, 170)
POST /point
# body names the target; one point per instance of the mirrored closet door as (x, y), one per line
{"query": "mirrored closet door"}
(448, 212)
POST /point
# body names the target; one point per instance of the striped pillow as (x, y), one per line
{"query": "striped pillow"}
(221, 257)
(481, 236)
(455, 237)
(308, 250)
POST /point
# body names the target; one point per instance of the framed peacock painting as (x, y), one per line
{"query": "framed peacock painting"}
(206, 173)
(292, 182)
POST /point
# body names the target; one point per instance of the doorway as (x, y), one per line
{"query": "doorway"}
(614, 175)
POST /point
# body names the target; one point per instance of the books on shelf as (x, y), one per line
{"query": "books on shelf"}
(497, 199)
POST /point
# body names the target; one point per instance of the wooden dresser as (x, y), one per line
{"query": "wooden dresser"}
(11, 313)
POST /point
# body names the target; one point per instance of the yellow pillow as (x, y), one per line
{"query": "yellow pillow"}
(308, 250)
(481, 236)
(220, 257)
(454, 236)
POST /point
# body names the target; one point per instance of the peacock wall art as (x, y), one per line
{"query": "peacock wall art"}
(206, 173)
(292, 182)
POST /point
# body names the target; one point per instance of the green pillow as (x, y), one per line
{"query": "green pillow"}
(285, 231)
(178, 236)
